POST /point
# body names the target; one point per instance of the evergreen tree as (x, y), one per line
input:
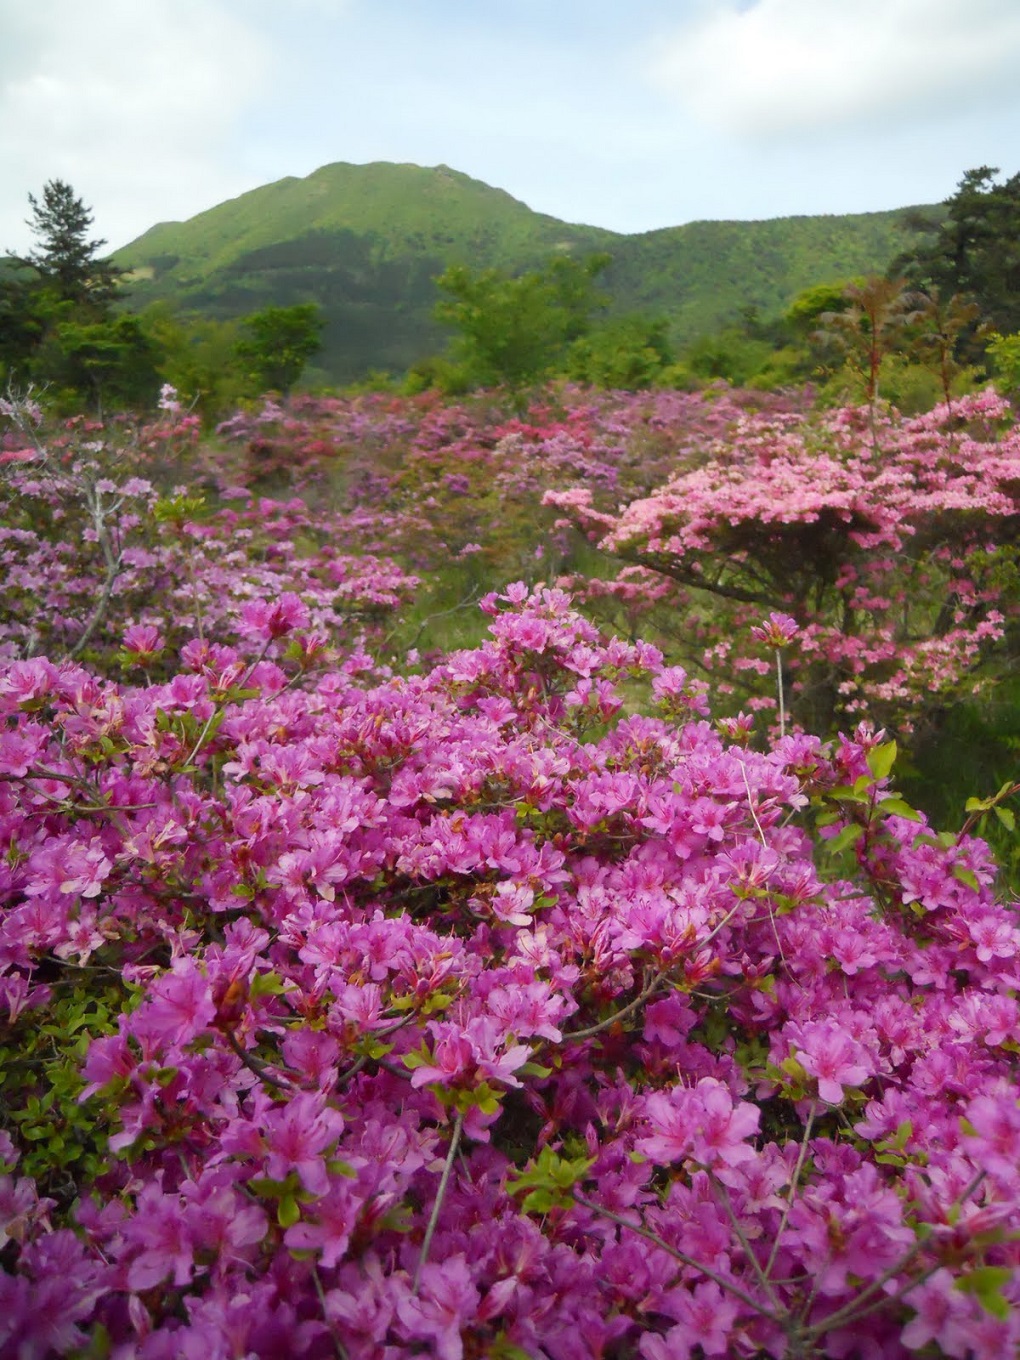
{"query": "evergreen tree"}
(975, 248)
(66, 260)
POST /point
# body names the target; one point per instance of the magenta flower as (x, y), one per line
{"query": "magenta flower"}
(448, 1299)
(995, 1142)
(143, 640)
(701, 1123)
(778, 630)
(160, 1239)
(269, 621)
(827, 1052)
(297, 1135)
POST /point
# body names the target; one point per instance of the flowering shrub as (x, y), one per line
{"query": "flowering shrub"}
(891, 541)
(481, 1012)
(104, 558)
(431, 482)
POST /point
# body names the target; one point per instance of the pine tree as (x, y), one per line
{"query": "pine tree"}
(66, 260)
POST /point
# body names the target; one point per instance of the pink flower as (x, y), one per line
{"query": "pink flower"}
(835, 1058)
(700, 1123)
(161, 1231)
(778, 630)
(143, 640)
(995, 1142)
(447, 1300)
(297, 1135)
(272, 620)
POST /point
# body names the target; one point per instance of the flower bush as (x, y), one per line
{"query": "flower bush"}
(891, 541)
(509, 1008)
(106, 556)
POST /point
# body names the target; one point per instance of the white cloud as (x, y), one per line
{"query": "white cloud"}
(133, 104)
(782, 67)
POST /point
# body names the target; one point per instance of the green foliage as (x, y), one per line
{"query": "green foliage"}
(975, 246)
(22, 321)
(871, 323)
(516, 330)
(41, 1083)
(368, 241)
(198, 358)
(548, 1183)
(56, 304)
(66, 261)
(730, 355)
(1004, 353)
(961, 757)
(277, 343)
(108, 362)
(807, 308)
(628, 353)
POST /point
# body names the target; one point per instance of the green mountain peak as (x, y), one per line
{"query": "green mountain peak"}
(366, 241)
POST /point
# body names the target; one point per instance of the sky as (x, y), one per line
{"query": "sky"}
(627, 114)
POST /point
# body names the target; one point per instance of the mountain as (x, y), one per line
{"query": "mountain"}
(366, 241)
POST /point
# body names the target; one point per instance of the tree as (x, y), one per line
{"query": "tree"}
(67, 261)
(627, 353)
(56, 310)
(109, 362)
(278, 342)
(871, 324)
(198, 358)
(516, 330)
(22, 324)
(975, 248)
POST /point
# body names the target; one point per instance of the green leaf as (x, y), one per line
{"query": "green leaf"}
(417, 1058)
(267, 984)
(901, 1137)
(540, 1201)
(549, 1180)
(850, 835)
(1006, 817)
(881, 759)
(897, 807)
(967, 876)
(986, 1283)
(289, 1212)
(270, 1189)
(338, 1168)
(534, 1069)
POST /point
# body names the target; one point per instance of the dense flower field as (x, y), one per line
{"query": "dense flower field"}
(505, 1004)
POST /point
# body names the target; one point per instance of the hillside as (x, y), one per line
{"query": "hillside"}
(366, 242)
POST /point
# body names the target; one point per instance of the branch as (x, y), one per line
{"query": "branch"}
(458, 1125)
(611, 1020)
(112, 572)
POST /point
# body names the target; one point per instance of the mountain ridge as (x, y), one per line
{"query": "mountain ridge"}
(366, 241)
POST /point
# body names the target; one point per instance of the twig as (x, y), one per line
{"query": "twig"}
(724, 1196)
(458, 1125)
(684, 1259)
(112, 572)
(779, 687)
(849, 1311)
(611, 1020)
(795, 1178)
(257, 1066)
(338, 1345)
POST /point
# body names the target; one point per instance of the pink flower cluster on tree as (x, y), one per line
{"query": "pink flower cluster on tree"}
(479, 1012)
(891, 542)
